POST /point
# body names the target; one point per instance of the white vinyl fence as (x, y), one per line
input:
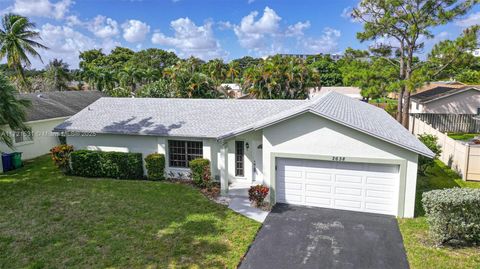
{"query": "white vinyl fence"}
(458, 155)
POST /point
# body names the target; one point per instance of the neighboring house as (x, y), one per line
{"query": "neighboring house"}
(332, 151)
(352, 92)
(447, 100)
(234, 89)
(431, 85)
(47, 110)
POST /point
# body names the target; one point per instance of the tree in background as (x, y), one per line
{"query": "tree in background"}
(12, 111)
(280, 78)
(17, 41)
(58, 74)
(153, 58)
(453, 58)
(330, 75)
(373, 75)
(405, 22)
(161, 88)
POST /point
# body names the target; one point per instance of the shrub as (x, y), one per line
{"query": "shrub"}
(453, 214)
(257, 194)
(424, 163)
(120, 165)
(200, 172)
(61, 156)
(155, 164)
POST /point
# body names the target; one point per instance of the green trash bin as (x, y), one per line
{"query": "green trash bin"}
(17, 159)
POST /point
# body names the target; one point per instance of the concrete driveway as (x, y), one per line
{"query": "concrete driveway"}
(301, 237)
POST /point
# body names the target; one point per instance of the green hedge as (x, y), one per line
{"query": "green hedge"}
(121, 165)
(453, 214)
(155, 164)
(201, 174)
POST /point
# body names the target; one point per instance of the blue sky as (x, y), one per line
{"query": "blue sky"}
(207, 29)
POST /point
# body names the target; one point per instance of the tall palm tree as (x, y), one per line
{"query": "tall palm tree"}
(17, 41)
(130, 76)
(58, 74)
(12, 111)
(233, 71)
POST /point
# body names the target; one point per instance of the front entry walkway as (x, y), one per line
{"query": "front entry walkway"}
(302, 237)
(238, 193)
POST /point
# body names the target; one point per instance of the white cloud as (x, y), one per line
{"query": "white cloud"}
(189, 39)
(471, 20)
(251, 33)
(66, 43)
(135, 31)
(41, 8)
(297, 28)
(347, 13)
(327, 43)
(103, 27)
(73, 20)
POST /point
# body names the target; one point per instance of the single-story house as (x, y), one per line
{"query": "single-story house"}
(332, 151)
(447, 100)
(352, 92)
(47, 110)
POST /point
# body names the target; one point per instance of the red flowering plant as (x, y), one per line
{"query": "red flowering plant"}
(61, 156)
(257, 194)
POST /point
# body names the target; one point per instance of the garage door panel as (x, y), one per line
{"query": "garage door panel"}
(347, 204)
(312, 176)
(378, 194)
(380, 181)
(349, 186)
(318, 188)
(293, 174)
(348, 179)
(348, 191)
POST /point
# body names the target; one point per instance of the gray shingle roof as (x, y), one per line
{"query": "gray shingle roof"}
(222, 118)
(49, 105)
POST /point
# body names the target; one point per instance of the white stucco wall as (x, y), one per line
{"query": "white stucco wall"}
(43, 139)
(462, 103)
(145, 145)
(313, 135)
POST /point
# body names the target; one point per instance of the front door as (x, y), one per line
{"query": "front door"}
(258, 162)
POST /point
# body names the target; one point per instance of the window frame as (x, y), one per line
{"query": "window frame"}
(183, 151)
(239, 158)
(26, 137)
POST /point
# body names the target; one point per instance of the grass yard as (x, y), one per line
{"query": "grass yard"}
(48, 220)
(462, 137)
(421, 251)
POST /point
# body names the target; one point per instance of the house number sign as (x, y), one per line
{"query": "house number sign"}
(338, 159)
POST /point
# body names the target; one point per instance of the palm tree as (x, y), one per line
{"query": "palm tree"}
(12, 111)
(17, 40)
(58, 74)
(130, 76)
(232, 71)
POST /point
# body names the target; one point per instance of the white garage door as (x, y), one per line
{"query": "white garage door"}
(341, 185)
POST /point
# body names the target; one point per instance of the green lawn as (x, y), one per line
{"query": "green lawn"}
(48, 220)
(462, 137)
(421, 251)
